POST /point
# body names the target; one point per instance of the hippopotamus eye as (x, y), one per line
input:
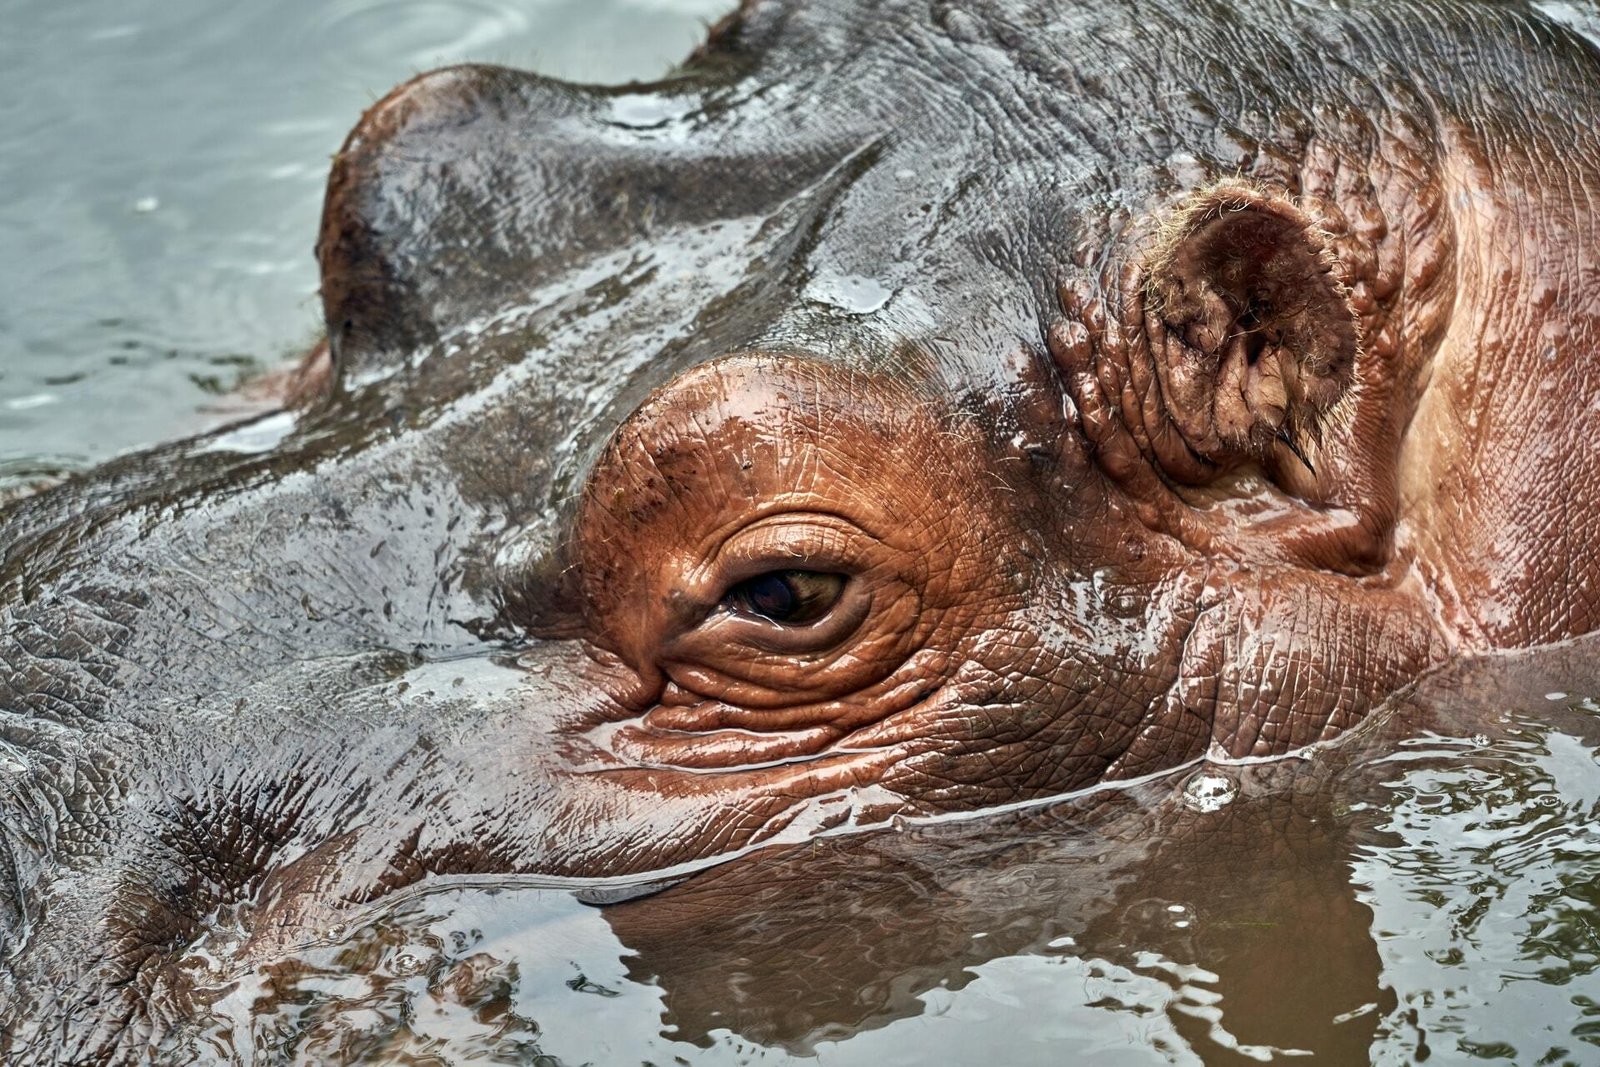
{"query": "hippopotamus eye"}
(792, 598)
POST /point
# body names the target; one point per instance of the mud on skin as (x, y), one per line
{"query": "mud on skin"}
(899, 410)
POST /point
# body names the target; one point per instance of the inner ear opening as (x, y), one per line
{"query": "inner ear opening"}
(1251, 325)
(1252, 331)
(1273, 277)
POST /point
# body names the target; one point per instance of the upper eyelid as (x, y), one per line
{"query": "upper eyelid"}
(833, 538)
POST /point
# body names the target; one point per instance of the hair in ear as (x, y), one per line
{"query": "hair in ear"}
(1250, 329)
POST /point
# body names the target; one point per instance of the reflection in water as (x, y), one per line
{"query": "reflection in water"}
(1485, 875)
(1424, 890)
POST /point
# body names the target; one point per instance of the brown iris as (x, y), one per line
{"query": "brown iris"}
(792, 598)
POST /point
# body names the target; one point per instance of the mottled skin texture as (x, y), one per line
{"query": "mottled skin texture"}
(1160, 380)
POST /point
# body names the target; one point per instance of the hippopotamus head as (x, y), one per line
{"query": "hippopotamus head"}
(858, 438)
(900, 410)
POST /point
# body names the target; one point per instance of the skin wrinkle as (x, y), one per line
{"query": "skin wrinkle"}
(806, 460)
(1456, 412)
(1155, 744)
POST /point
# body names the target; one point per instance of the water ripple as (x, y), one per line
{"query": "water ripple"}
(421, 32)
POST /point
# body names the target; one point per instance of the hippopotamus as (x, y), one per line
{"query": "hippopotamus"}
(899, 410)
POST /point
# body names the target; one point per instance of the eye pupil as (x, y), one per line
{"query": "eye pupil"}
(772, 595)
(792, 597)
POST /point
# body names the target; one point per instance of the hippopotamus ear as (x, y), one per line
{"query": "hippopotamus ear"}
(1250, 327)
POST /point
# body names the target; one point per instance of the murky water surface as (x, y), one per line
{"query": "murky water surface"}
(1424, 890)
(162, 164)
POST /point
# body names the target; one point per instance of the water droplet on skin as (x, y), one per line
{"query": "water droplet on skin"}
(1209, 791)
(1181, 924)
(255, 436)
(849, 292)
(1177, 909)
(646, 111)
(1555, 696)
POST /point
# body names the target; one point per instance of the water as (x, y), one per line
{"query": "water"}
(1424, 890)
(163, 163)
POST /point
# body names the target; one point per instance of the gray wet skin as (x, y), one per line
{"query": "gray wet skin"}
(1159, 380)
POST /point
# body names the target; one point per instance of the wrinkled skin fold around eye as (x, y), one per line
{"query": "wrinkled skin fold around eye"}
(1164, 381)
